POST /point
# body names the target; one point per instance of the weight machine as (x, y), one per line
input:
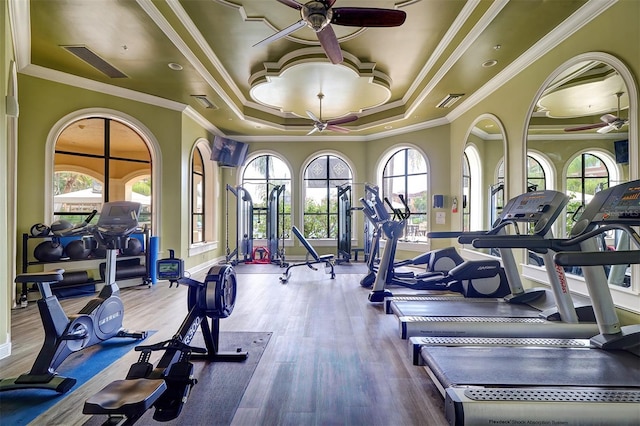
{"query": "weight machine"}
(275, 226)
(243, 251)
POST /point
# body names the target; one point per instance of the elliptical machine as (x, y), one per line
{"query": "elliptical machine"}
(471, 278)
(99, 320)
(167, 385)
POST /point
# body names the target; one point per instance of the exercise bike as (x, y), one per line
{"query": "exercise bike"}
(168, 385)
(100, 319)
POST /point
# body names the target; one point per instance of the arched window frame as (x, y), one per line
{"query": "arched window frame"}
(625, 298)
(288, 192)
(209, 239)
(384, 159)
(146, 135)
(303, 189)
(474, 206)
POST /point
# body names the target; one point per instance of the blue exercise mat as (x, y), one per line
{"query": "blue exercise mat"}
(19, 407)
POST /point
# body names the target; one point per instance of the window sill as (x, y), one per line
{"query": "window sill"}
(200, 248)
(624, 298)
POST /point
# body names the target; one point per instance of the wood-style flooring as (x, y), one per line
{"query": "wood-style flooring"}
(333, 358)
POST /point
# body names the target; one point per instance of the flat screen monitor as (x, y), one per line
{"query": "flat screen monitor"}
(228, 153)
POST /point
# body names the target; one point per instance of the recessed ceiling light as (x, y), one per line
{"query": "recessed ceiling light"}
(489, 63)
(174, 66)
(388, 127)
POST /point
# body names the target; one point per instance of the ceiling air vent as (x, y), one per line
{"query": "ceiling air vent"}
(449, 100)
(205, 102)
(95, 61)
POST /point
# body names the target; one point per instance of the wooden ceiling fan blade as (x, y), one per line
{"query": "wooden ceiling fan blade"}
(284, 32)
(588, 127)
(368, 17)
(338, 129)
(343, 120)
(329, 43)
(291, 3)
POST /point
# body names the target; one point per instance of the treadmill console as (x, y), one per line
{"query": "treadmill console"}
(618, 204)
(539, 207)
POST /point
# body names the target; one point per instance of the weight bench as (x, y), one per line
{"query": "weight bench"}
(327, 259)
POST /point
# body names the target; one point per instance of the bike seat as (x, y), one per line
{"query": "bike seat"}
(41, 277)
(130, 398)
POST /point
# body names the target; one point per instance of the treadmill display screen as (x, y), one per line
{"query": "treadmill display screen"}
(535, 206)
(620, 204)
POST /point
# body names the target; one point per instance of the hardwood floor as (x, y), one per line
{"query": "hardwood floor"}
(333, 359)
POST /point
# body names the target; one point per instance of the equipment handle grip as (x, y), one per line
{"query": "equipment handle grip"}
(578, 258)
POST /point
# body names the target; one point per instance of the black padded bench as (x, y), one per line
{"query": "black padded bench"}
(327, 259)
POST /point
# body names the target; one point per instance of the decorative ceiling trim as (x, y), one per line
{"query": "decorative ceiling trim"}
(96, 86)
(475, 32)
(317, 54)
(462, 17)
(195, 33)
(569, 26)
(261, 19)
(166, 28)
(20, 21)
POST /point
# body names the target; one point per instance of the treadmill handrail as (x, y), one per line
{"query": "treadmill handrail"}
(578, 258)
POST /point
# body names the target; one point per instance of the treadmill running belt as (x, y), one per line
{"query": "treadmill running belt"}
(455, 308)
(512, 366)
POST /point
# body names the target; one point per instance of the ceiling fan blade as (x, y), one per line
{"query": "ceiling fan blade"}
(609, 118)
(328, 3)
(315, 129)
(343, 120)
(284, 32)
(329, 43)
(588, 127)
(368, 17)
(606, 129)
(313, 117)
(291, 3)
(335, 128)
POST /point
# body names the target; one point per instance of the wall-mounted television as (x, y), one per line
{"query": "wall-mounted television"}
(228, 153)
(621, 149)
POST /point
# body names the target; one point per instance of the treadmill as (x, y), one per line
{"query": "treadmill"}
(552, 315)
(550, 385)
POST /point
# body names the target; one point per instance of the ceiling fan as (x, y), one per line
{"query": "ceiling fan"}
(333, 125)
(609, 122)
(319, 15)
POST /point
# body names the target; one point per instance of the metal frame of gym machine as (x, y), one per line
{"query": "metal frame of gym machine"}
(525, 313)
(511, 384)
(244, 247)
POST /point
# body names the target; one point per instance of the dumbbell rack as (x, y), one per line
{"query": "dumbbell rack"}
(72, 265)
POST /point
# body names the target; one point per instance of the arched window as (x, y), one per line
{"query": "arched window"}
(405, 173)
(466, 193)
(586, 174)
(198, 198)
(471, 205)
(202, 184)
(267, 178)
(97, 160)
(322, 176)
(536, 179)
